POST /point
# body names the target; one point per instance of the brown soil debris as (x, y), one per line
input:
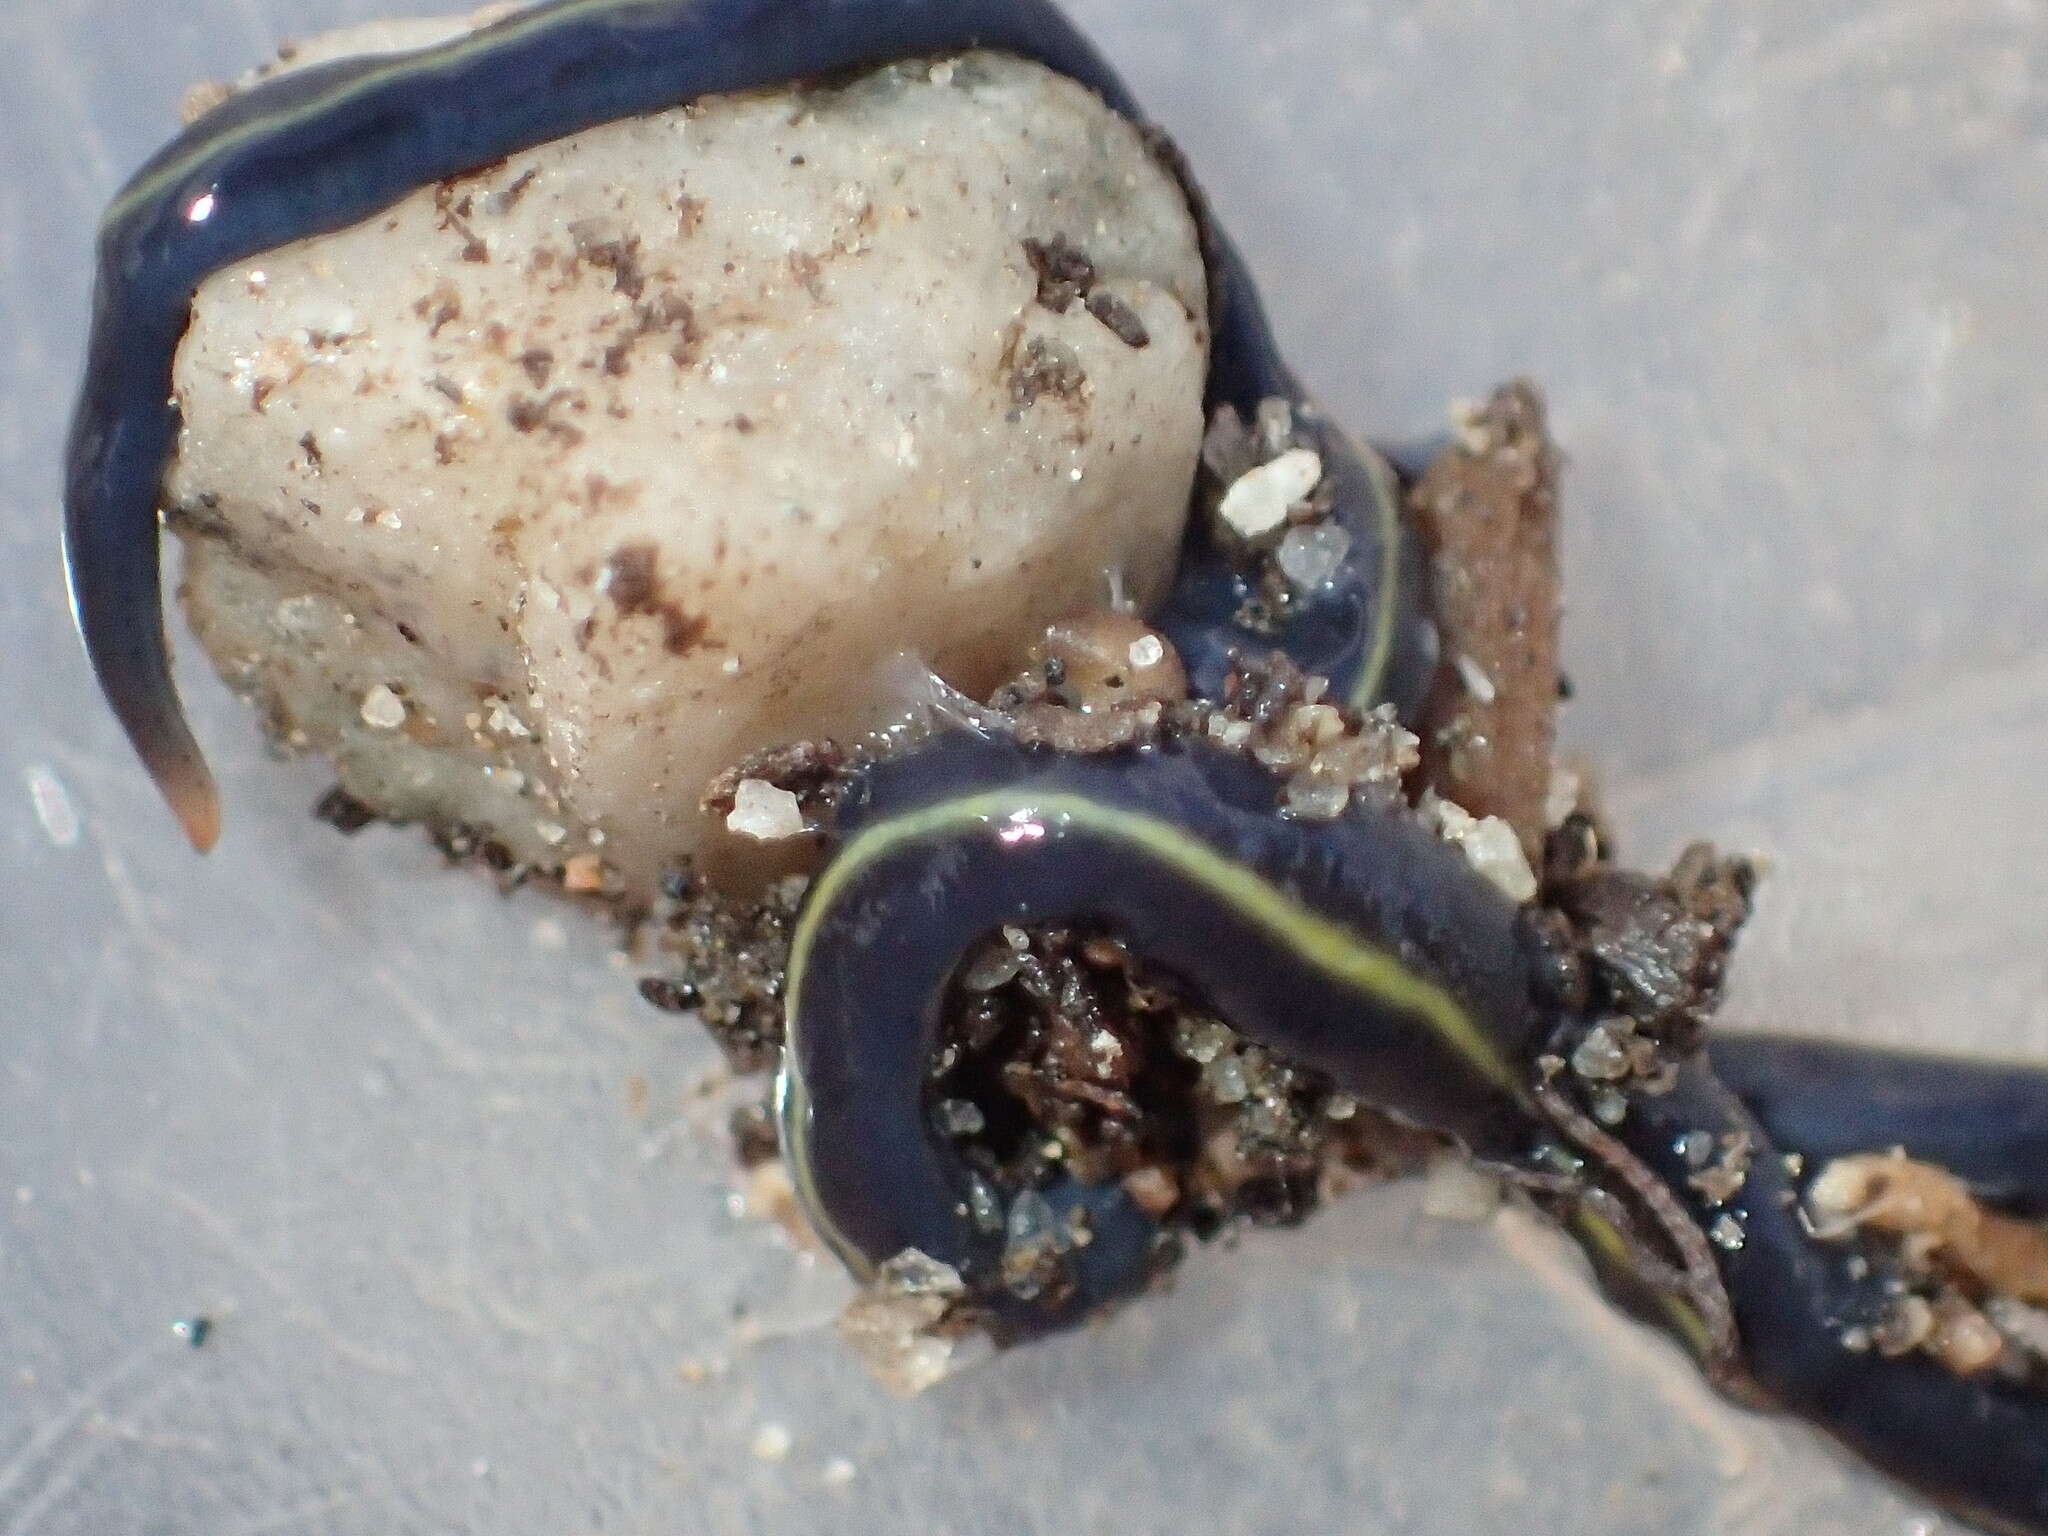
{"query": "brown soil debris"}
(1487, 511)
(1935, 1213)
(725, 960)
(1655, 948)
(1063, 1049)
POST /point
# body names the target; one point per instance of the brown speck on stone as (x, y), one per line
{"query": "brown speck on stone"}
(668, 313)
(1064, 272)
(597, 490)
(682, 633)
(507, 200)
(539, 364)
(529, 414)
(1122, 320)
(1046, 368)
(453, 210)
(610, 253)
(630, 577)
(310, 446)
(439, 309)
(634, 586)
(259, 394)
(689, 214)
(446, 388)
(744, 425)
(444, 448)
(804, 268)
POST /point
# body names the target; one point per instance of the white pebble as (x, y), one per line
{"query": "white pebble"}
(1224, 1078)
(772, 1443)
(1311, 557)
(838, 1472)
(1493, 849)
(382, 709)
(1258, 502)
(1489, 844)
(763, 812)
(1454, 1190)
(1147, 651)
(503, 722)
(1476, 682)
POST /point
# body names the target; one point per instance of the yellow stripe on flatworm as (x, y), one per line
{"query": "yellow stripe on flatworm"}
(478, 40)
(1326, 946)
(1599, 1234)
(1372, 672)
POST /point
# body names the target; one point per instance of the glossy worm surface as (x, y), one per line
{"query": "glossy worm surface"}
(1369, 951)
(327, 147)
(1362, 948)
(1986, 1122)
(1978, 1444)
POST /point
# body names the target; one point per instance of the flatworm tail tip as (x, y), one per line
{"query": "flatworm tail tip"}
(124, 643)
(196, 804)
(181, 776)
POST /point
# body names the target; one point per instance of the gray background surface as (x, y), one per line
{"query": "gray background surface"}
(1780, 267)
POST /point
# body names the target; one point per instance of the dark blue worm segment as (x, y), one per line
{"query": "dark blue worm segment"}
(325, 148)
(1978, 1445)
(1370, 952)
(1363, 948)
(1985, 1122)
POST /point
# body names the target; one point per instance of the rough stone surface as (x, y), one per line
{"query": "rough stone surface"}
(648, 448)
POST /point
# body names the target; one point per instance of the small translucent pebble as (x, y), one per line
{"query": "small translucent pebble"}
(382, 709)
(1600, 1056)
(958, 1117)
(1311, 557)
(763, 812)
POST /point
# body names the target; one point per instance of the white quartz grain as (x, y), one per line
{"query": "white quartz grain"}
(763, 812)
(1258, 500)
(1489, 844)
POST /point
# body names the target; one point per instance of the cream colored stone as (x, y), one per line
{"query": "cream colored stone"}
(649, 447)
